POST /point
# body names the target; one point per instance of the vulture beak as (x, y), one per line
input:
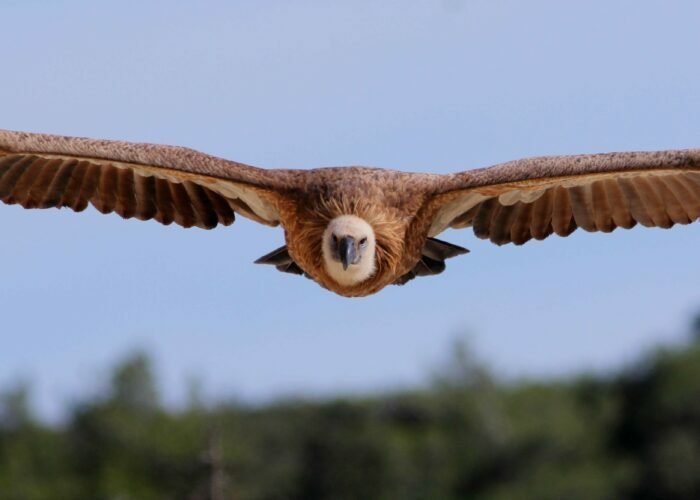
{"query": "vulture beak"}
(346, 251)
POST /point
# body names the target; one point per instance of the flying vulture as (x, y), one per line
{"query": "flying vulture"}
(354, 230)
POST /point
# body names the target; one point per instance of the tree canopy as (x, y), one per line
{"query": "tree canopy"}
(632, 435)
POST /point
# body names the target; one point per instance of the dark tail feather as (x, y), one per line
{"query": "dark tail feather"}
(277, 257)
(282, 261)
(441, 250)
(432, 260)
(429, 267)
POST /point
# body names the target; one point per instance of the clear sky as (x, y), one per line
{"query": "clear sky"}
(436, 86)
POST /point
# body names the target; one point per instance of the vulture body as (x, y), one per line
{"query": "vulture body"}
(354, 230)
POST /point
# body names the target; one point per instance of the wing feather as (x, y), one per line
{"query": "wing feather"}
(19, 189)
(88, 186)
(203, 208)
(104, 197)
(59, 184)
(164, 200)
(600, 208)
(499, 232)
(542, 210)
(126, 194)
(520, 229)
(145, 195)
(582, 206)
(533, 198)
(71, 195)
(562, 216)
(690, 202)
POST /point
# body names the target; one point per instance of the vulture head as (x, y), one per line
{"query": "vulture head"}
(349, 246)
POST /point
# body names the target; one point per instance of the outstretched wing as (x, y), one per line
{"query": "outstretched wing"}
(165, 183)
(533, 198)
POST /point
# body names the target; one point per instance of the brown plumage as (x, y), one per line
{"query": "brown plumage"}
(395, 215)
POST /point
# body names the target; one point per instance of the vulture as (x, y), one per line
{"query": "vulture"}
(354, 230)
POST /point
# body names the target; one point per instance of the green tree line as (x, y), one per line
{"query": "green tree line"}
(632, 435)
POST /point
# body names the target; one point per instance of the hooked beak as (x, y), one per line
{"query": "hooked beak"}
(346, 251)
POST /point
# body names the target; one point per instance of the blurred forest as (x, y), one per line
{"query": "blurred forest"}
(634, 435)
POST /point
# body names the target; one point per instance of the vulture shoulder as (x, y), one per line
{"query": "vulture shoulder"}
(146, 181)
(536, 197)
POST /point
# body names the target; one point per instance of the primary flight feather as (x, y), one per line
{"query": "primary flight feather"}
(354, 230)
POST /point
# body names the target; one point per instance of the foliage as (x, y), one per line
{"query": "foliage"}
(634, 435)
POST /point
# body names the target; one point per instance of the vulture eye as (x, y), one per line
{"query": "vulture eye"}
(363, 241)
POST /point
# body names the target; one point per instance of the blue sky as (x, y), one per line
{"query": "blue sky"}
(436, 86)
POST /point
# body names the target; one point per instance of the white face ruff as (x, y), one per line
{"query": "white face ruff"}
(349, 225)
